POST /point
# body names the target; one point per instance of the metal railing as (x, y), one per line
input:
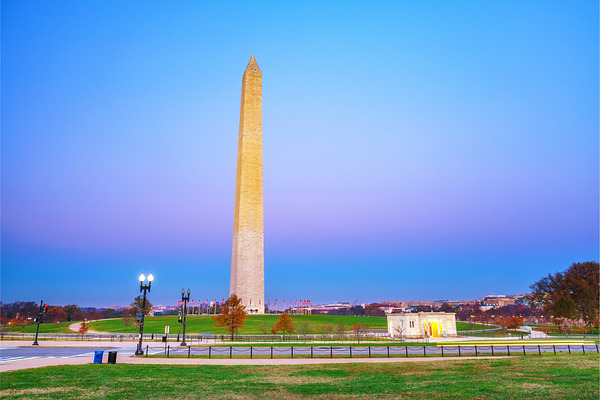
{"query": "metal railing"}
(120, 337)
(207, 338)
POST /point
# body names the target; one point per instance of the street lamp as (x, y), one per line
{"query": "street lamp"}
(184, 299)
(43, 310)
(144, 288)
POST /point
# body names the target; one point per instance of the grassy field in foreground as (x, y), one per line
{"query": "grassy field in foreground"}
(547, 377)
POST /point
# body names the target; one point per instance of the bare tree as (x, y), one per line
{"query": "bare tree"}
(399, 331)
(263, 328)
(304, 328)
(326, 330)
(340, 329)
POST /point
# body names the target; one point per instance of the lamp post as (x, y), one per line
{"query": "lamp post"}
(43, 310)
(184, 299)
(144, 288)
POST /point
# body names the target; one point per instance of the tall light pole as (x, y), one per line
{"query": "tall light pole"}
(144, 288)
(185, 299)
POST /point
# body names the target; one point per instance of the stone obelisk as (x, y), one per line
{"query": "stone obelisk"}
(247, 258)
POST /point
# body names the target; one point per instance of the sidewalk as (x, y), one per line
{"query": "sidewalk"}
(46, 362)
(65, 343)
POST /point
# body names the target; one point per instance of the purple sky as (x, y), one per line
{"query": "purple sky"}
(411, 151)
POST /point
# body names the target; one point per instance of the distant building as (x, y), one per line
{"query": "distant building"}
(421, 325)
(327, 308)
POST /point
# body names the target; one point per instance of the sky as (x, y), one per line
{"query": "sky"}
(412, 150)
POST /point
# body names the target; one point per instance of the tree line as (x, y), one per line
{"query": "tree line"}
(570, 298)
(21, 313)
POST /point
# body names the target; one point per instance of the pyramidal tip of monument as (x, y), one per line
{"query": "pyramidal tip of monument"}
(252, 64)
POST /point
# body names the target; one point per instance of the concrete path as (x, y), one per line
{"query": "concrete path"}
(66, 343)
(75, 327)
(46, 362)
(129, 359)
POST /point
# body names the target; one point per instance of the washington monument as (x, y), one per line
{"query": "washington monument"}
(247, 256)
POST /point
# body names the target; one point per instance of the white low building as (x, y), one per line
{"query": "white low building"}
(421, 325)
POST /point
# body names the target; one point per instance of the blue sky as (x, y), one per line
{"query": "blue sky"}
(412, 150)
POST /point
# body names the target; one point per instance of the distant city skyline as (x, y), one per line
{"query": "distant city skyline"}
(411, 150)
(278, 305)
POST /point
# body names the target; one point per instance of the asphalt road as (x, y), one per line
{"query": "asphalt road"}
(8, 354)
(15, 353)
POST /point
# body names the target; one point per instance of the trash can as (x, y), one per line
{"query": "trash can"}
(164, 339)
(112, 357)
(98, 356)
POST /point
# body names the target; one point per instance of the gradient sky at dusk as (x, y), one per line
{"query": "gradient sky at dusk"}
(412, 150)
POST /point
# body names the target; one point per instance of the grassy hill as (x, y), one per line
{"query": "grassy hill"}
(59, 327)
(205, 324)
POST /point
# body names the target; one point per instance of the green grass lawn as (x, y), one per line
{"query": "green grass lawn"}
(205, 324)
(546, 377)
(554, 329)
(466, 326)
(60, 327)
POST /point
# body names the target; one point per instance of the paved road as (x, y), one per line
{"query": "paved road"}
(9, 354)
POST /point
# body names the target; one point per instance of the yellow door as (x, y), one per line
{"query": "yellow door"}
(435, 329)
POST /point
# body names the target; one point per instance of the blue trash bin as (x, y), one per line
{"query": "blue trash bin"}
(98, 357)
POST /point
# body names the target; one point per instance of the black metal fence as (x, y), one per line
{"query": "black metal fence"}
(207, 338)
(364, 351)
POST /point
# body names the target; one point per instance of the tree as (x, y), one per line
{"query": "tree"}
(357, 329)
(18, 321)
(233, 315)
(263, 328)
(502, 321)
(399, 329)
(94, 314)
(469, 312)
(566, 324)
(514, 322)
(109, 313)
(304, 328)
(136, 306)
(25, 309)
(356, 310)
(571, 294)
(83, 328)
(581, 325)
(446, 307)
(72, 309)
(285, 323)
(340, 329)
(55, 314)
(374, 310)
(327, 330)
